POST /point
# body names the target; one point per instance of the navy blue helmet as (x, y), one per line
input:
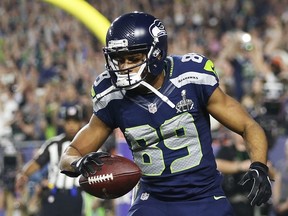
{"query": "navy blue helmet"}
(131, 33)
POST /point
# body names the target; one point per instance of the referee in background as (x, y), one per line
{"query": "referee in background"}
(59, 189)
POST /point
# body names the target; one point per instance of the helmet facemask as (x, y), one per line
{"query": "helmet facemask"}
(125, 78)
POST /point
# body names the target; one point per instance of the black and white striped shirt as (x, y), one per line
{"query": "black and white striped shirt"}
(49, 153)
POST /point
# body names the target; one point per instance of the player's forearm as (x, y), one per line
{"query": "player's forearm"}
(256, 142)
(67, 158)
(231, 167)
(88, 139)
(30, 168)
(73, 151)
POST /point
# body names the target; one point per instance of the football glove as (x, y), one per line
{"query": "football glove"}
(86, 164)
(261, 188)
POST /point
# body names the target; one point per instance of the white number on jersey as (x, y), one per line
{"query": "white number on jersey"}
(192, 57)
(178, 133)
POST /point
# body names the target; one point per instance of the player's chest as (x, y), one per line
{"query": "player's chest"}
(152, 110)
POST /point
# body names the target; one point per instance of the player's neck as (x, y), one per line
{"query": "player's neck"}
(156, 82)
(159, 80)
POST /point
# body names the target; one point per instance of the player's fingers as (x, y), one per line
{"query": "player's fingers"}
(85, 172)
(88, 169)
(95, 160)
(244, 179)
(88, 164)
(253, 199)
(253, 196)
(261, 200)
(264, 194)
(103, 154)
(98, 161)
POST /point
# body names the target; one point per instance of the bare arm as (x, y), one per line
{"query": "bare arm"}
(89, 139)
(232, 115)
(231, 167)
(22, 177)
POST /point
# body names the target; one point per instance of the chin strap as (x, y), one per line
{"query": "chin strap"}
(159, 94)
(147, 85)
(107, 91)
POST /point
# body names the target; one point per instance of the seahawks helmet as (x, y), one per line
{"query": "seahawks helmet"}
(131, 33)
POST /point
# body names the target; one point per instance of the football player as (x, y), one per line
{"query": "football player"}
(162, 105)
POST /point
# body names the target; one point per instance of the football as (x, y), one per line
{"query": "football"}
(115, 178)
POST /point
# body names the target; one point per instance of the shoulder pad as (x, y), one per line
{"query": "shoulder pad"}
(195, 61)
(102, 86)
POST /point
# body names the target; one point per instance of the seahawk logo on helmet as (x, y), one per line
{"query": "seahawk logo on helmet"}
(157, 29)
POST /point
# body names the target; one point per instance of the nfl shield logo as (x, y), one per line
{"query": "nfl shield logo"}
(152, 108)
(144, 196)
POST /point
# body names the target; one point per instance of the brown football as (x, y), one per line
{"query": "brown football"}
(115, 178)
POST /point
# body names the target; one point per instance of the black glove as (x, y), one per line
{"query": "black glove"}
(261, 189)
(86, 164)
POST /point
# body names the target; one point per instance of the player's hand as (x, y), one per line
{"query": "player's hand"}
(261, 189)
(86, 164)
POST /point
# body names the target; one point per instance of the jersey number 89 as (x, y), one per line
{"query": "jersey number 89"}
(176, 133)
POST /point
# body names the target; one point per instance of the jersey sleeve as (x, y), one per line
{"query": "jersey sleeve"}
(102, 94)
(211, 81)
(195, 69)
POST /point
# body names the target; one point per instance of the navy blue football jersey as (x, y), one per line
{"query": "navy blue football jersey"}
(172, 146)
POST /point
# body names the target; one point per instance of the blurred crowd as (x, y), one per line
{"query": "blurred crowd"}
(48, 59)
